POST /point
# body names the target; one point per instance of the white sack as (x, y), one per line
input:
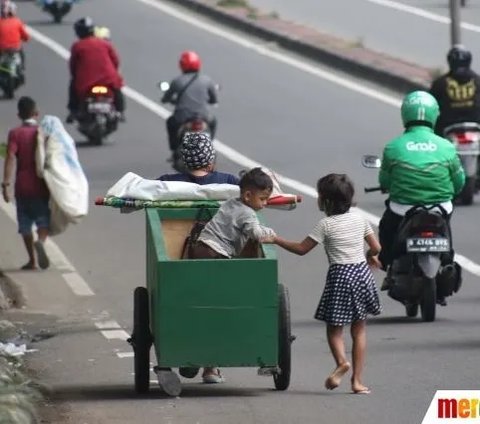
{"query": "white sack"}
(57, 163)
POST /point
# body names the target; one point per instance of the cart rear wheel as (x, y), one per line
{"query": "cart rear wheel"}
(282, 379)
(141, 340)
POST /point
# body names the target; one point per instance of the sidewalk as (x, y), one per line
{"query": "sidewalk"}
(352, 58)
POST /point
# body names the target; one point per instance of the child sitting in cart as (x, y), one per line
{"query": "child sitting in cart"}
(198, 155)
(236, 222)
(226, 234)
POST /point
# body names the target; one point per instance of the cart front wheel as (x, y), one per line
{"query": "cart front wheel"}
(141, 340)
(282, 379)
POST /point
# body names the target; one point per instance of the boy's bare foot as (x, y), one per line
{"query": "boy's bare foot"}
(28, 266)
(335, 378)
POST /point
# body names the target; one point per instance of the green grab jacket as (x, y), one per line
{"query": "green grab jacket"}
(421, 168)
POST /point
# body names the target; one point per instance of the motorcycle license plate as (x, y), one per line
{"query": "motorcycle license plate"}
(100, 107)
(431, 244)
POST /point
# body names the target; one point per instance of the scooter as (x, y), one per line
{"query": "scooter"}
(466, 137)
(423, 269)
(57, 8)
(195, 124)
(98, 116)
(11, 74)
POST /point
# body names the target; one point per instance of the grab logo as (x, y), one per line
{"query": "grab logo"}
(412, 146)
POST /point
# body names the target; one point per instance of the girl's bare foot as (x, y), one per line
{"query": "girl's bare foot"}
(335, 378)
(359, 389)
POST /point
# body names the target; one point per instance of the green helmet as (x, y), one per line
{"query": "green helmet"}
(420, 106)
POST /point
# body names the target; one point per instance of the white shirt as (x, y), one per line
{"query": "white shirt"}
(343, 237)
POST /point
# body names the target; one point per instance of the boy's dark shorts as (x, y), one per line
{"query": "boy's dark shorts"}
(32, 211)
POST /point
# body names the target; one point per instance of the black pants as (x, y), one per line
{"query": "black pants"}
(387, 233)
(73, 100)
(174, 124)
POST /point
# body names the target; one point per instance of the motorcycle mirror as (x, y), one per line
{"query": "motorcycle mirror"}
(164, 85)
(371, 161)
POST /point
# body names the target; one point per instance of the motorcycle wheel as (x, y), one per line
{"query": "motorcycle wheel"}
(97, 140)
(57, 17)
(411, 309)
(429, 300)
(468, 191)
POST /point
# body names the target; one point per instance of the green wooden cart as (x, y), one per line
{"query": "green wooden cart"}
(208, 313)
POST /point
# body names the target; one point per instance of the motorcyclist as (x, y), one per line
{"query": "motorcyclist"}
(12, 33)
(93, 61)
(458, 91)
(191, 93)
(418, 168)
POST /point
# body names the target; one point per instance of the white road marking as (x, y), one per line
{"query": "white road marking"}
(122, 355)
(115, 334)
(423, 13)
(227, 151)
(78, 285)
(107, 324)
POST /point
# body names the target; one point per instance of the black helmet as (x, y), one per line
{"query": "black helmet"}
(459, 57)
(84, 27)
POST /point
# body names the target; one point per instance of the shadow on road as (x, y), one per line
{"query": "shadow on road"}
(73, 393)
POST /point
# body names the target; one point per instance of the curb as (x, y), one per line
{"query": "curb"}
(379, 68)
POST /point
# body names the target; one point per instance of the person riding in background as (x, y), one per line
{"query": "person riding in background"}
(191, 93)
(93, 61)
(198, 155)
(458, 91)
(12, 32)
(418, 168)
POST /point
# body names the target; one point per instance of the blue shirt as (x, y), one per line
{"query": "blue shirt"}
(211, 178)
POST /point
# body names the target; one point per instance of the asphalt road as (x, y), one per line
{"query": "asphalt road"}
(292, 121)
(414, 30)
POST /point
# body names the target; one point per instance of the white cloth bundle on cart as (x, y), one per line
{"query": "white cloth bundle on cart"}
(132, 186)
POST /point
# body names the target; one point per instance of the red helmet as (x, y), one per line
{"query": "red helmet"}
(190, 62)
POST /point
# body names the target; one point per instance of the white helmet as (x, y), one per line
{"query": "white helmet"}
(9, 8)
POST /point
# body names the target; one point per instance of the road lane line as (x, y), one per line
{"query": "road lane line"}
(423, 13)
(77, 284)
(122, 355)
(236, 156)
(115, 334)
(102, 325)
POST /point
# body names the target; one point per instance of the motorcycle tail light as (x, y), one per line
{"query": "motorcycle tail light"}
(427, 234)
(465, 138)
(99, 89)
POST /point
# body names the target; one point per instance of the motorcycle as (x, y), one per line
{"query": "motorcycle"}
(98, 116)
(466, 137)
(11, 74)
(57, 8)
(423, 270)
(194, 124)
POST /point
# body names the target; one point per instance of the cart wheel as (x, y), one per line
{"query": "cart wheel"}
(141, 339)
(282, 379)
